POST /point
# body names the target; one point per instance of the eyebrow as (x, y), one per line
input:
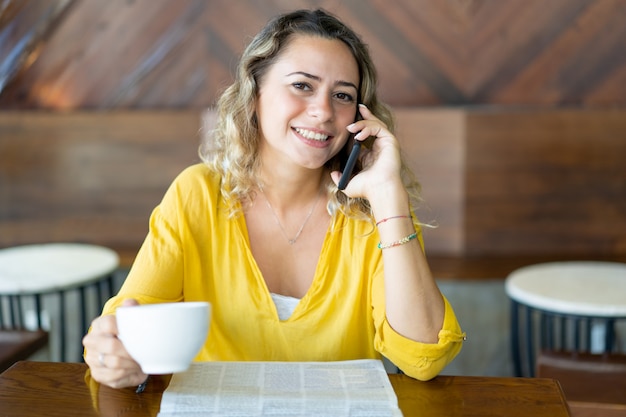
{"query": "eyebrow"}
(316, 78)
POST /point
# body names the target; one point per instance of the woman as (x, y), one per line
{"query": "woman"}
(294, 268)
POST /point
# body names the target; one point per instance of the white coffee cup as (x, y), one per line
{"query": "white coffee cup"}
(164, 338)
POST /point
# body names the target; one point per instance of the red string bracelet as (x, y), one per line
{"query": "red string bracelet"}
(393, 217)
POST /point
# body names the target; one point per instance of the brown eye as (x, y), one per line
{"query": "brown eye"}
(301, 86)
(345, 97)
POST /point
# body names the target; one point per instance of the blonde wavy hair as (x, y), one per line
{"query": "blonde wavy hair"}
(231, 148)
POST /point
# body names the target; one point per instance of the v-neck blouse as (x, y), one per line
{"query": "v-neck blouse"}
(195, 251)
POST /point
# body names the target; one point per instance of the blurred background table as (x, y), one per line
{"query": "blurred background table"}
(56, 287)
(573, 306)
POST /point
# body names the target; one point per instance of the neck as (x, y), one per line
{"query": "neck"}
(288, 191)
(291, 239)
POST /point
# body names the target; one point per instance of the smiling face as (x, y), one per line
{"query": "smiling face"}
(306, 99)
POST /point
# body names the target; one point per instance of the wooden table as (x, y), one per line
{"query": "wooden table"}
(66, 389)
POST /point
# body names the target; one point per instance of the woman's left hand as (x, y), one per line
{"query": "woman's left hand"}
(381, 163)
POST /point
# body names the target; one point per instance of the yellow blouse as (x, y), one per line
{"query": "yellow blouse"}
(194, 251)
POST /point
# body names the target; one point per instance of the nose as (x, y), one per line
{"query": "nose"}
(321, 107)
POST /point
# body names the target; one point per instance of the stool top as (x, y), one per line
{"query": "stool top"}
(41, 268)
(583, 288)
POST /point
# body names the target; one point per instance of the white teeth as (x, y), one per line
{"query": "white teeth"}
(312, 135)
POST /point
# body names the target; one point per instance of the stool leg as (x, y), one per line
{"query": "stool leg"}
(84, 319)
(546, 339)
(4, 304)
(588, 334)
(109, 284)
(515, 347)
(530, 346)
(38, 310)
(104, 295)
(609, 335)
(563, 328)
(62, 325)
(15, 306)
(11, 304)
(577, 344)
(99, 297)
(83, 310)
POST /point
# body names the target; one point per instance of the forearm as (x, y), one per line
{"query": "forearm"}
(414, 306)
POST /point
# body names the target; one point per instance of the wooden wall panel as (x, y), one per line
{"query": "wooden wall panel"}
(181, 54)
(505, 188)
(89, 177)
(433, 143)
(546, 182)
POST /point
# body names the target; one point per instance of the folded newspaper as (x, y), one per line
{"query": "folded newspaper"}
(252, 389)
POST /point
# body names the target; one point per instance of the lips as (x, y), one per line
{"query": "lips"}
(312, 135)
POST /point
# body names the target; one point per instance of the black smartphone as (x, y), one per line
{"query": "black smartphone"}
(347, 171)
(354, 155)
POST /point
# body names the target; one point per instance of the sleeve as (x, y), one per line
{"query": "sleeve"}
(422, 361)
(156, 274)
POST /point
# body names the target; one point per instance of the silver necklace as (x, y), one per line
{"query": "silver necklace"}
(293, 240)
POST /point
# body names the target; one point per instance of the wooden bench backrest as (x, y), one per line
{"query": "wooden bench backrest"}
(498, 184)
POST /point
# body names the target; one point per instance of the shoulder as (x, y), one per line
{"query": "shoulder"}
(195, 190)
(198, 175)
(195, 183)
(196, 172)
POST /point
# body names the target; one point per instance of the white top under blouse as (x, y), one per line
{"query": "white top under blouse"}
(285, 305)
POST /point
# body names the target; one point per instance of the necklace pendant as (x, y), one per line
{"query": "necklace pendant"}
(282, 229)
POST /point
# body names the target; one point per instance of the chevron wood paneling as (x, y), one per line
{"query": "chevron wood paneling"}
(181, 54)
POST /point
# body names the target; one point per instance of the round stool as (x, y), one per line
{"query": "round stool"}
(570, 306)
(63, 271)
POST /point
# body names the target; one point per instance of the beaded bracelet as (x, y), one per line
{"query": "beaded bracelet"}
(402, 241)
(402, 216)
